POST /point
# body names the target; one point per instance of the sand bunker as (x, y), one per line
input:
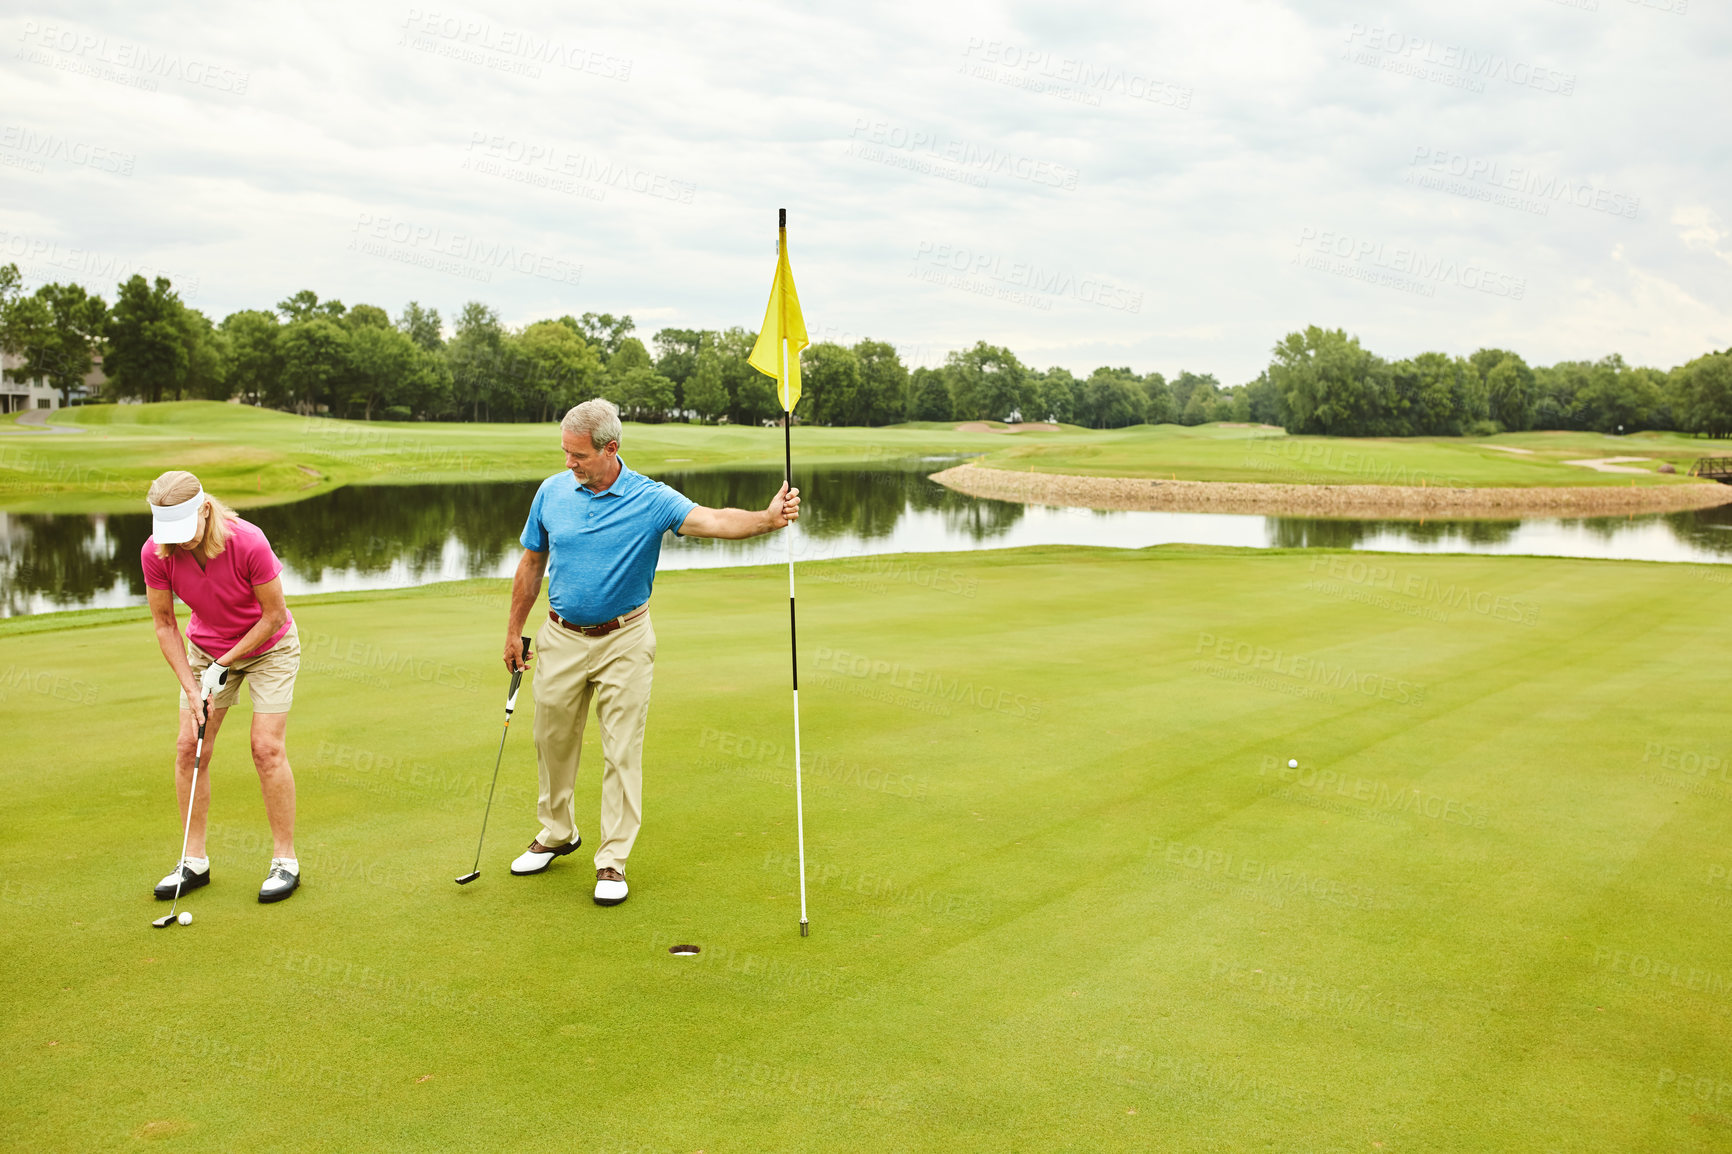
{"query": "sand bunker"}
(1610, 464)
(1329, 500)
(1029, 427)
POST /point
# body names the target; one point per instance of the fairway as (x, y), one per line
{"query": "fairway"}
(252, 456)
(1238, 453)
(1065, 892)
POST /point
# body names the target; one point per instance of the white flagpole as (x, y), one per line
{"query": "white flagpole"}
(799, 800)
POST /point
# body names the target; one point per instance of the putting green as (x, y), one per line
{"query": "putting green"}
(1065, 893)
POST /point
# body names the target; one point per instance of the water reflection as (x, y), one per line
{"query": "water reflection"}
(1309, 533)
(387, 536)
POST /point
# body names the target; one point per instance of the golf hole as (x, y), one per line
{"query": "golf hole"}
(682, 951)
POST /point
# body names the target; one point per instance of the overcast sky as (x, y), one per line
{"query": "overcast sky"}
(1159, 185)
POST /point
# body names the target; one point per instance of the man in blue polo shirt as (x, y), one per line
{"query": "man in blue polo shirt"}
(595, 533)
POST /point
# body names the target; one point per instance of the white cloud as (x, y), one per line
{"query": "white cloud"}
(1091, 160)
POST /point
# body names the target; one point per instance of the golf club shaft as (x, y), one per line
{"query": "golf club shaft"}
(510, 705)
(486, 812)
(191, 800)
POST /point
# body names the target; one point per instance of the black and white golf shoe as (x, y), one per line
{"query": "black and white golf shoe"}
(185, 877)
(281, 881)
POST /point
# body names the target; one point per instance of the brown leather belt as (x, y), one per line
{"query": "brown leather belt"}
(604, 628)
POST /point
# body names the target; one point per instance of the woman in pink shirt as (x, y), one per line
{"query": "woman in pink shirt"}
(240, 631)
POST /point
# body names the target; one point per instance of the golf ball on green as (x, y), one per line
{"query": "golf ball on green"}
(185, 918)
(1292, 763)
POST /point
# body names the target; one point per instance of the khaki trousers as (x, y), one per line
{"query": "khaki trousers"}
(616, 671)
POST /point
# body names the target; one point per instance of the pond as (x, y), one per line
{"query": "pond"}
(377, 537)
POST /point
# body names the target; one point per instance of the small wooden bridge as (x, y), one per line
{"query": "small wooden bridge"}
(1714, 469)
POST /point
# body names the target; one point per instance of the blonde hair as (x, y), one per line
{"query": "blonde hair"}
(178, 485)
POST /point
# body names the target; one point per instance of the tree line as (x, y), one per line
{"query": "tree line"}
(309, 355)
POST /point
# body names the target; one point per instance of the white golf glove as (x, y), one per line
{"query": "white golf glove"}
(213, 678)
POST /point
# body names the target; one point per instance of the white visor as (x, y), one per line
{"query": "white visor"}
(176, 524)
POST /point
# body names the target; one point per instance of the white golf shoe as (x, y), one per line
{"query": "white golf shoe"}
(538, 857)
(609, 887)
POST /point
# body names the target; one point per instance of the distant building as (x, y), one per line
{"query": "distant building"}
(18, 394)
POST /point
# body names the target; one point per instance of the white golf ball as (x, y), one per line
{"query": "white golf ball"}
(1292, 763)
(185, 918)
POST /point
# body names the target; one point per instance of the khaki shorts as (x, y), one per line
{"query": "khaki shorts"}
(271, 675)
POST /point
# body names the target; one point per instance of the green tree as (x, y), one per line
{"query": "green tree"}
(932, 397)
(367, 316)
(382, 362)
(1509, 387)
(146, 353)
(1158, 406)
(706, 395)
(427, 391)
(883, 383)
(641, 393)
(1112, 399)
(1328, 384)
(1557, 392)
(1193, 396)
(315, 364)
(562, 368)
(1233, 404)
(829, 386)
(56, 331)
(1423, 396)
(423, 326)
(476, 355)
(1618, 397)
(1702, 395)
(751, 395)
(1484, 360)
(207, 358)
(255, 364)
(628, 356)
(987, 383)
(11, 284)
(677, 357)
(1057, 395)
(604, 331)
(1263, 401)
(305, 305)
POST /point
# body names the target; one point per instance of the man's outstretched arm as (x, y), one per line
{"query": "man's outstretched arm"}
(737, 524)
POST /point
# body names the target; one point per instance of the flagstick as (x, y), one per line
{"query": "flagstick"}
(794, 650)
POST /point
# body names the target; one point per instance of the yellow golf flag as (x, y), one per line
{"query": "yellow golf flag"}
(781, 319)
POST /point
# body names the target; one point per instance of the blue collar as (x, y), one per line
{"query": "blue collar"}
(615, 489)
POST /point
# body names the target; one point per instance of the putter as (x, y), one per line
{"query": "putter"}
(167, 919)
(510, 704)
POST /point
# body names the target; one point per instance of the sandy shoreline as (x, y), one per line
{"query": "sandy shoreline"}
(1329, 500)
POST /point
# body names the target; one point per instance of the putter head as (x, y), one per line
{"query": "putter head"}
(467, 878)
(165, 921)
